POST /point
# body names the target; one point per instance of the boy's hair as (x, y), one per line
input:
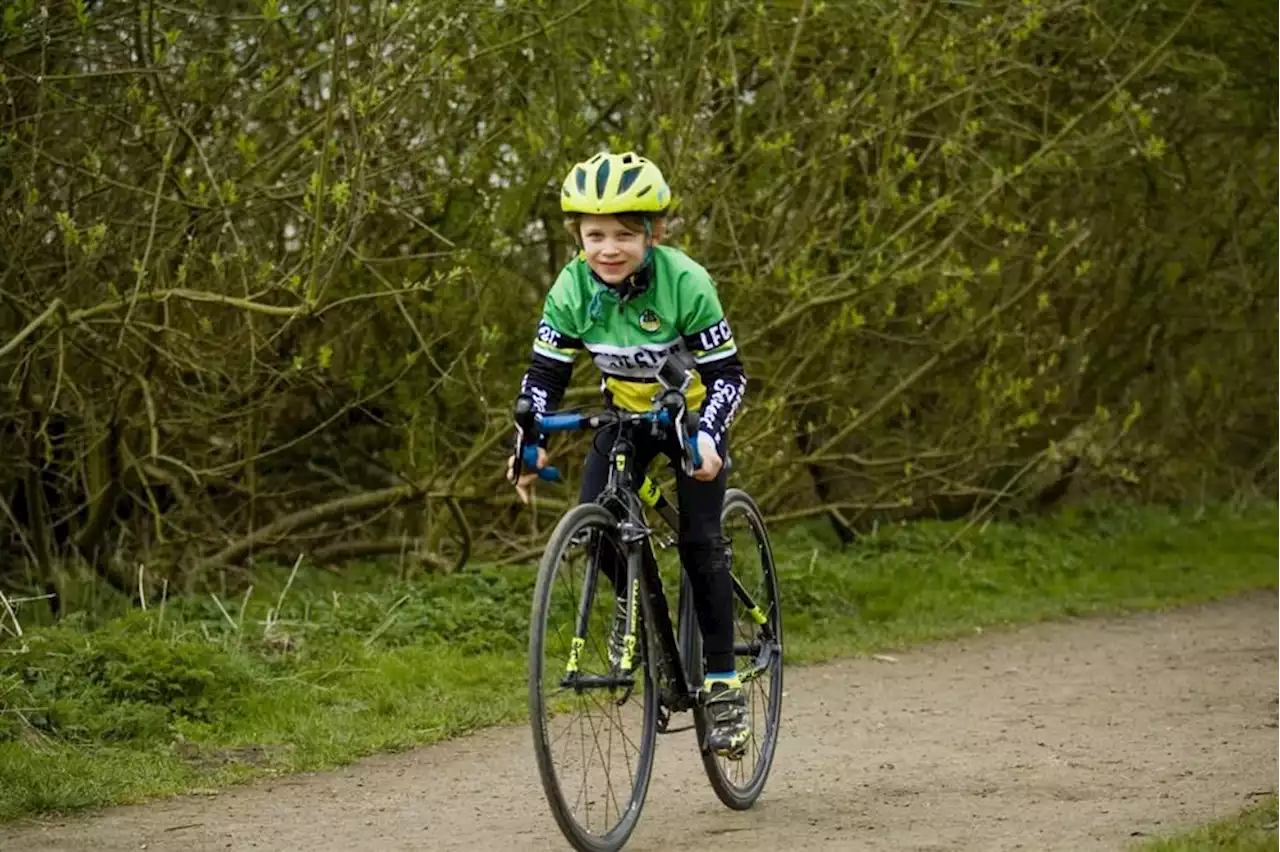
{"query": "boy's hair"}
(631, 221)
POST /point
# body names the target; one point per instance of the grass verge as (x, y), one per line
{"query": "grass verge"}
(1253, 830)
(201, 693)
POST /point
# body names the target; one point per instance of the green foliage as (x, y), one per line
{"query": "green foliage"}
(196, 693)
(1253, 830)
(968, 249)
(127, 682)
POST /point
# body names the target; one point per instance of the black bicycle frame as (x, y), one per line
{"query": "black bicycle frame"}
(644, 587)
(643, 584)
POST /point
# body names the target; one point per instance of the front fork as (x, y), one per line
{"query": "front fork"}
(628, 659)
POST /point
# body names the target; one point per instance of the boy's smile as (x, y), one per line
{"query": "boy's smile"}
(614, 251)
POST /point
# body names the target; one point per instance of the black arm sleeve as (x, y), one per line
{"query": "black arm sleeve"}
(726, 381)
(545, 382)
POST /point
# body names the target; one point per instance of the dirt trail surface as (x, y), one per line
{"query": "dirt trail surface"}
(1068, 736)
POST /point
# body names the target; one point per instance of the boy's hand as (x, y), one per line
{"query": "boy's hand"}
(528, 477)
(711, 461)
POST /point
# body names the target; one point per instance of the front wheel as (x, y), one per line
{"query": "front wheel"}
(594, 727)
(758, 652)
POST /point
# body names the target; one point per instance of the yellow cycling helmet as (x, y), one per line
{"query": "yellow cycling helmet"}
(615, 183)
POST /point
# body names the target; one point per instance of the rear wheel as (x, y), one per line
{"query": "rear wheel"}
(593, 733)
(758, 652)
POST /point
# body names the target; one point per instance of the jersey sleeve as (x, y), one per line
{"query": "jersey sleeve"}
(557, 336)
(554, 346)
(704, 326)
(708, 336)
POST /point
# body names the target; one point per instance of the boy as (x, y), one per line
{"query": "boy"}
(628, 301)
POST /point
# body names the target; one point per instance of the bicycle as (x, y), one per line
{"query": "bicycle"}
(656, 670)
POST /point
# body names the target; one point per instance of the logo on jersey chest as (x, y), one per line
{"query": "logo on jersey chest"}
(650, 321)
(636, 362)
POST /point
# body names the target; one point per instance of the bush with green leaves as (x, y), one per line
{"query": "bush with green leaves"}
(270, 278)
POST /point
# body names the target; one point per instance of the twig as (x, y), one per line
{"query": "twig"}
(17, 628)
(224, 612)
(140, 272)
(311, 516)
(523, 555)
(244, 603)
(1001, 494)
(786, 63)
(543, 30)
(152, 430)
(287, 585)
(164, 600)
(31, 327)
(190, 296)
(386, 622)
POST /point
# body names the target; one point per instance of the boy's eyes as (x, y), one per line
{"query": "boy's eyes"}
(623, 237)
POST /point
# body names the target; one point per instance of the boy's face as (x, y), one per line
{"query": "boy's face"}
(613, 250)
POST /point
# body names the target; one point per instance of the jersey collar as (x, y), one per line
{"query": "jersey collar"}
(635, 285)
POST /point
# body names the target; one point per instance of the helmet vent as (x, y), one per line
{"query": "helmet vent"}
(602, 178)
(644, 191)
(581, 175)
(629, 177)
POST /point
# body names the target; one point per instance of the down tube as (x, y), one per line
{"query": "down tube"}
(664, 634)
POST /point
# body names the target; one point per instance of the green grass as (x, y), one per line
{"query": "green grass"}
(188, 696)
(1253, 830)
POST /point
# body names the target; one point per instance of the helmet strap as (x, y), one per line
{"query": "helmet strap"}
(648, 245)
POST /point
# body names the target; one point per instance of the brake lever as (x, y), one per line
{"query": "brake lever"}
(692, 458)
(526, 419)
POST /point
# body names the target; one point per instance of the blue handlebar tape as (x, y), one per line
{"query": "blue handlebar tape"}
(560, 422)
(694, 455)
(529, 455)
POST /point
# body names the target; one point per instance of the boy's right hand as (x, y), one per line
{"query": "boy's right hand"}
(527, 477)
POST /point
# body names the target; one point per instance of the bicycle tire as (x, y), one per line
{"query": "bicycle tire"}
(735, 796)
(583, 517)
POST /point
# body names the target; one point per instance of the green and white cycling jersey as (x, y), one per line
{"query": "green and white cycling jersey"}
(672, 306)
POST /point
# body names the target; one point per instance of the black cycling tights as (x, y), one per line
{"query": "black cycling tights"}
(701, 541)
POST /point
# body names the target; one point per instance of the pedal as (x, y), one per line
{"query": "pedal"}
(664, 719)
(735, 755)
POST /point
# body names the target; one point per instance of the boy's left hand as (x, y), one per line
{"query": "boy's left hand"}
(711, 461)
